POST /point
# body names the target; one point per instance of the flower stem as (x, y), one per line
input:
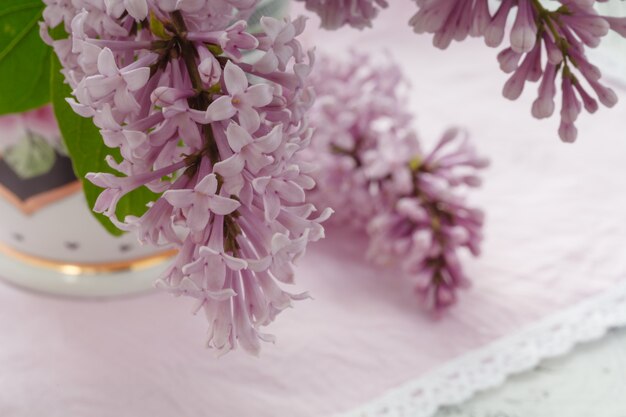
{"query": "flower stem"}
(202, 99)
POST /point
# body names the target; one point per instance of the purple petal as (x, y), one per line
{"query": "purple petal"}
(271, 203)
(221, 109)
(198, 214)
(290, 191)
(134, 138)
(258, 95)
(238, 137)
(222, 205)
(208, 185)
(137, 9)
(190, 133)
(194, 267)
(260, 184)
(103, 180)
(179, 198)
(249, 118)
(279, 242)
(106, 63)
(137, 78)
(257, 161)
(246, 195)
(216, 278)
(286, 34)
(271, 141)
(233, 185)
(271, 26)
(259, 265)
(98, 86)
(125, 101)
(107, 201)
(236, 264)
(267, 64)
(230, 167)
(235, 79)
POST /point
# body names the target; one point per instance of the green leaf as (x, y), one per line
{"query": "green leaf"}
(88, 151)
(24, 57)
(30, 157)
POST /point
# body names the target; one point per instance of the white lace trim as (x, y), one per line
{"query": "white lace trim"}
(489, 367)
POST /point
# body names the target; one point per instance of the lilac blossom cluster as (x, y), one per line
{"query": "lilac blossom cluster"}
(545, 44)
(374, 173)
(210, 117)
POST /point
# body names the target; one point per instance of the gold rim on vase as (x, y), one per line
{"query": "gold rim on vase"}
(88, 268)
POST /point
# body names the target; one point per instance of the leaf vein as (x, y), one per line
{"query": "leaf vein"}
(19, 38)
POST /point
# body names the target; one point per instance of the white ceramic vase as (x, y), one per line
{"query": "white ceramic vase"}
(49, 240)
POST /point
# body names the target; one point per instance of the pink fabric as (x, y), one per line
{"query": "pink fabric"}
(555, 236)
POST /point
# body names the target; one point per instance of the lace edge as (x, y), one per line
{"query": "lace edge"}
(490, 366)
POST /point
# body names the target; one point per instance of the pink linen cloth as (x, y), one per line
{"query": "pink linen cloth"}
(555, 235)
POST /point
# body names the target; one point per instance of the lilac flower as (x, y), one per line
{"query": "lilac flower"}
(241, 99)
(201, 203)
(374, 173)
(166, 83)
(112, 80)
(288, 185)
(232, 40)
(561, 35)
(253, 153)
(136, 8)
(117, 187)
(280, 43)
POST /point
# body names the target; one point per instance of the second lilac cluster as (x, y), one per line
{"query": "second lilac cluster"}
(558, 34)
(546, 43)
(374, 173)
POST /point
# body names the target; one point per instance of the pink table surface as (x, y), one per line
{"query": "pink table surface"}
(555, 236)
